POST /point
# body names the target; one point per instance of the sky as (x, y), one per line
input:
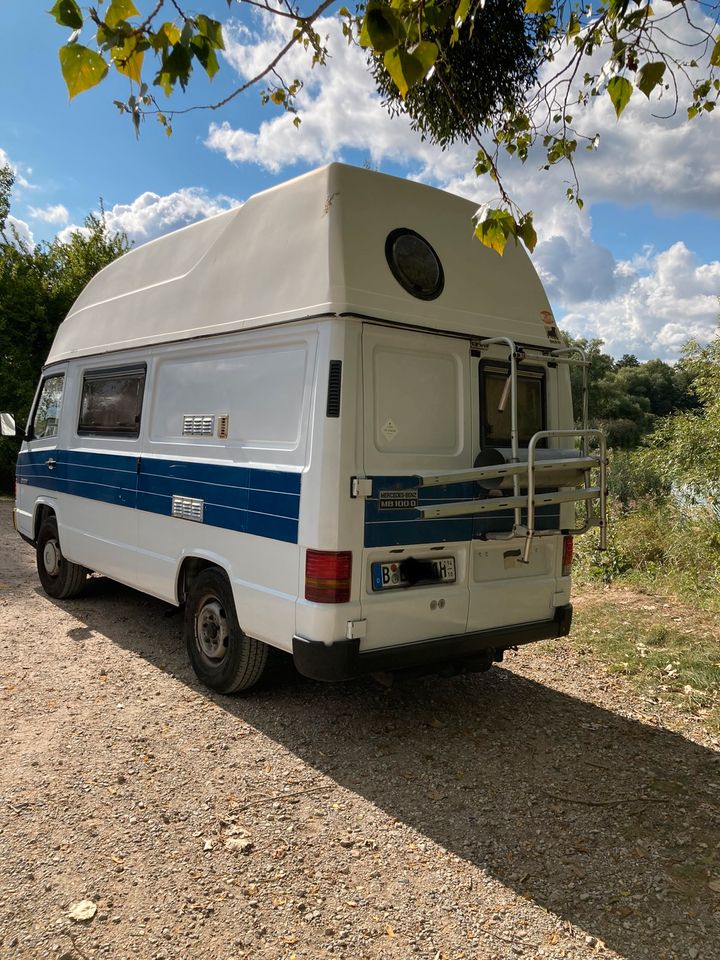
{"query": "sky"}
(638, 267)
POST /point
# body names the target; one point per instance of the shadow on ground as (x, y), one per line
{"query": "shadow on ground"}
(607, 822)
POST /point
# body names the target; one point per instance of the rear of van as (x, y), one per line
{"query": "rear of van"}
(445, 489)
(450, 592)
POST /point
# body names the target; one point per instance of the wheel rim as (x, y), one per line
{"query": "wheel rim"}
(212, 633)
(52, 558)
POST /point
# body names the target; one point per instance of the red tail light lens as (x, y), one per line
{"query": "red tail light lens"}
(328, 576)
(567, 557)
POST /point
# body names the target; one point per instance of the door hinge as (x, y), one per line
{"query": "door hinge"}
(356, 629)
(361, 487)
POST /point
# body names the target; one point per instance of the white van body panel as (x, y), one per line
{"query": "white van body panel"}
(246, 454)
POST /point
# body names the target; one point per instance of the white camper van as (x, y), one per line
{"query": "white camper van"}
(328, 421)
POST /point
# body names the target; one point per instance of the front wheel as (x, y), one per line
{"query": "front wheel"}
(223, 657)
(59, 577)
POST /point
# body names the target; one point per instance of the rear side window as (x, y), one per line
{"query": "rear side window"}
(111, 401)
(495, 405)
(47, 412)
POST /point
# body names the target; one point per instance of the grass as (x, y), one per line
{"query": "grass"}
(668, 653)
(657, 547)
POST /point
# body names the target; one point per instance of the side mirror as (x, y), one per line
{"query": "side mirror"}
(7, 425)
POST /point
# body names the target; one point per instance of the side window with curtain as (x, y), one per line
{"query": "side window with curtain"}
(46, 416)
(111, 402)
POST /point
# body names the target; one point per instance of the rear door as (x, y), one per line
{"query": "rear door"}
(504, 591)
(418, 415)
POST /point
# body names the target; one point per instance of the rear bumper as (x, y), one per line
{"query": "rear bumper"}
(343, 660)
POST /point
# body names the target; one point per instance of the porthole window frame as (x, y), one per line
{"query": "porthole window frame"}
(401, 278)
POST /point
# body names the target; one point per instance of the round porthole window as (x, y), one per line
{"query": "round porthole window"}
(414, 264)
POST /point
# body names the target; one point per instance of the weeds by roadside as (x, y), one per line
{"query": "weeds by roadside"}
(668, 653)
(660, 548)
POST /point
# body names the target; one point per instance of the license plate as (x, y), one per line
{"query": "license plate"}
(385, 576)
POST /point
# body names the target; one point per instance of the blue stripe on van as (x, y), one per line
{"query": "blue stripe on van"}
(389, 528)
(262, 502)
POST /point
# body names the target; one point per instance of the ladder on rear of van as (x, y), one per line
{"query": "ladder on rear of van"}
(569, 475)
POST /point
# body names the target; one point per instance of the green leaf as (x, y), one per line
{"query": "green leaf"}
(715, 55)
(405, 68)
(107, 38)
(649, 76)
(526, 232)
(574, 25)
(176, 67)
(495, 228)
(461, 13)
(437, 17)
(128, 59)
(203, 50)
(67, 14)
(619, 90)
(167, 36)
(81, 67)
(427, 53)
(537, 6)
(382, 29)
(120, 10)
(212, 29)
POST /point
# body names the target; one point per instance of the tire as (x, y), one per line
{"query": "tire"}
(59, 577)
(222, 656)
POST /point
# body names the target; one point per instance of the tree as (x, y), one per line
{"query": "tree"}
(38, 285)
(686, 446)
(461, 69)
(627, 398)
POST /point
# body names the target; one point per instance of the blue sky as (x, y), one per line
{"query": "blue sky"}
(638, 267)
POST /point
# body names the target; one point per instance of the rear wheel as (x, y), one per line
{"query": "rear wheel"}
(223, 657)
(59, 577)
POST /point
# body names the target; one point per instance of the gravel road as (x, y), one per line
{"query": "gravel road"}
(540, 810)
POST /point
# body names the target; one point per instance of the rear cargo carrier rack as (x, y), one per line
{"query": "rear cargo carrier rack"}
(566, 475)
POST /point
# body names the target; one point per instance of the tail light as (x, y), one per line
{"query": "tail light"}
(567, 557)
(328, 576)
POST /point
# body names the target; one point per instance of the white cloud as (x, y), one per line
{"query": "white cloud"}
(21, 171)
(21, 230)
(56, 214)
(338, 106)
(656, 307)
(151, 215)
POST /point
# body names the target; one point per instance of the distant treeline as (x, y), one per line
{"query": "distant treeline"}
(626, 398)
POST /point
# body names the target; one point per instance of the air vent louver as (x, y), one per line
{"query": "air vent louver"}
(334, 384)
(198, 426)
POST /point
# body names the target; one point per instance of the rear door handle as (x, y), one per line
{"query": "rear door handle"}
(51, 464)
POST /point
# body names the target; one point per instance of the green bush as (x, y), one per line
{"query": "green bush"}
(660, 546)
(633, 477)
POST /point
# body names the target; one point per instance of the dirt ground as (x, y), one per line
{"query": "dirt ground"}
(540, 810)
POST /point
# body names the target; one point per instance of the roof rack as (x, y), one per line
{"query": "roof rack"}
(569, 472)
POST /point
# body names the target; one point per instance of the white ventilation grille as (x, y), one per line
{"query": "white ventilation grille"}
(188, 508)
(198, 426)
(223, 423)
